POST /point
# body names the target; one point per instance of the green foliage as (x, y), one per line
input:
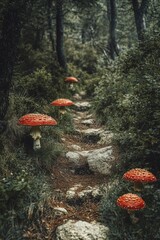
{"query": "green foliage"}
(127, 100)
(83, 4)
(86, 64)
(23, 181)
(51, 149)
(85, 57)
(36, 89)
(24, 177)
(15, 213)
(11, 186)
(66, 122)
(118, 220)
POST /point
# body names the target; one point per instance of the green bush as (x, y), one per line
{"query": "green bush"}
(86, 64)
(128, 101)
(118, 220)
(23, 181)
(37, 86)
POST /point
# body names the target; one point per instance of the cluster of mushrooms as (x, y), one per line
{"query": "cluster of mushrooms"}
(132, 202)
(36, 120)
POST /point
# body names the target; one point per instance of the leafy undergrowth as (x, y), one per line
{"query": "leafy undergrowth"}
(119, 221)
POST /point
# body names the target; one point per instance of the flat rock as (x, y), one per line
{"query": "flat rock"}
(59, 211)
(99, 160)
(81, 230)
(77, 96)
(106, 137)
(75, 147)
(70, 194)
(95, 135)
(89, 116)
(82, 106)
(88, 122)
(91, 131)
(74, 158)
(75, 194)
(91, 135)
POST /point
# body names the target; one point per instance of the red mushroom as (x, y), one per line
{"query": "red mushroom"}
(71, 80)
(62, 103)
(139, 176)
(35, 120)
(131, 202)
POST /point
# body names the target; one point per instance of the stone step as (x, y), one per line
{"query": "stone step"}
(82, 230)
(98, 161)
(95, 135)
(88, 122)
(82, 106)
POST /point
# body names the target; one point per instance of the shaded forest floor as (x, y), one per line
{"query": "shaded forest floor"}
(64, 178)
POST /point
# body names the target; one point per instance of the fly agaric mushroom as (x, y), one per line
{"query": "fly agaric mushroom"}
(71, 80)
(62, 103)
(35, 120)
(131, 202)
(139, 176)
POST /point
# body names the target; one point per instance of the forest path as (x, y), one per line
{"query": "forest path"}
(77, 188)
(64, 174)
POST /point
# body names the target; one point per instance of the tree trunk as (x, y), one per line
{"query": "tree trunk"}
(113, 47)
(83, 37)
(50, 24)
(139, 15)
(59, 34)
(10, 34)
(38, 39)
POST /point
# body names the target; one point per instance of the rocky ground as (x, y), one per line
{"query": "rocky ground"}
(81, 178)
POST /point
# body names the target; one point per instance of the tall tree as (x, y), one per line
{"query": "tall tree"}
(50, 23)
(13, 16)
(139, 8)
(60, 34)
(112, 42)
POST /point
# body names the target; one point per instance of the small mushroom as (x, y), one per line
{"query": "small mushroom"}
(71, 80)
(131, 202)
(35, 120)
(62, 103)
(139, 176)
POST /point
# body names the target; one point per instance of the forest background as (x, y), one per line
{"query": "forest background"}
(113, 48)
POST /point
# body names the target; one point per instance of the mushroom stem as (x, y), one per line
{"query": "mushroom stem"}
(36, 135)
(138, 186)
(36, 144)
(132, 216)
(62, 110)
(71, 86)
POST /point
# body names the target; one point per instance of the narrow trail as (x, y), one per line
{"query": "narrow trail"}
(64, 176)
(76, 187)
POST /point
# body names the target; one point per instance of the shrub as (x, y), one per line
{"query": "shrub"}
(118, 219)
(128, 101)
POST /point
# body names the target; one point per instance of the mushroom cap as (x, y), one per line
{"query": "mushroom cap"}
(71, 79)
(131, 201)
(36, 119)
(62, 102)
(139, 175)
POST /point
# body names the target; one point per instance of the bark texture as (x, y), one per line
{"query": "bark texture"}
(60, 34)
(11, 26)
(112, 17)
(139, 15)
